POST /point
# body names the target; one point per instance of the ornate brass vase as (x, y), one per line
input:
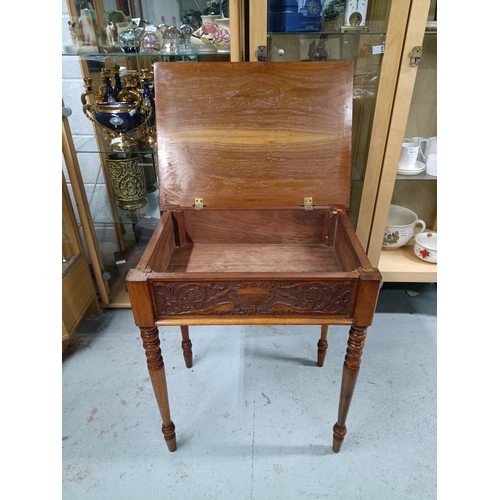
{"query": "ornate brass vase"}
(128, 180)
(119, 119)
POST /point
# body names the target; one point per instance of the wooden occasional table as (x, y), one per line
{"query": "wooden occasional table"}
(254, 180)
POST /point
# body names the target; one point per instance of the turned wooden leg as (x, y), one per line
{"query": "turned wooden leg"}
(322, 345)
(350, 372)
(186, 347)
(151, 343)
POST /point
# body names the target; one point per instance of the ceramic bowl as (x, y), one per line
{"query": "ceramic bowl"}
(425, 247)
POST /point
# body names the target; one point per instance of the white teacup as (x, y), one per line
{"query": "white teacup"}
(421, 141)
(400, 226)
(409, 154)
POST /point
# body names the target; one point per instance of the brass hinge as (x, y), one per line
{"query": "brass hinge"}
(198, 204)
(415, 56)
(262, 53)
(308, 203)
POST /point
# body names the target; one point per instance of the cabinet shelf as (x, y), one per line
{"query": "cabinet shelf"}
(401, 264)
(90, 146)
(419, 177)
(101, 56)
(105, 215)
(347, 34)
(317, 33)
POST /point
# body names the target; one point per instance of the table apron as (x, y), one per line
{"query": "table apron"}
(255, 300)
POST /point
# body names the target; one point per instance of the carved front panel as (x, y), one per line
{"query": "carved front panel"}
(253, 298)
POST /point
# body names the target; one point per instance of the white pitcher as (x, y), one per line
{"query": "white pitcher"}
(430, 148)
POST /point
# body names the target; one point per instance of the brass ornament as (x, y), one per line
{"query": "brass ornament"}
(128, 180)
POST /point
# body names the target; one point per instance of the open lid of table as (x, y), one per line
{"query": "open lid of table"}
(254, 134)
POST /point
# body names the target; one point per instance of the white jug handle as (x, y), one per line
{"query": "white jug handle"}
(420, 147)
(422, 223)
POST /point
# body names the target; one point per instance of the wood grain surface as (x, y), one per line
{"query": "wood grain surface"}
(254, 134)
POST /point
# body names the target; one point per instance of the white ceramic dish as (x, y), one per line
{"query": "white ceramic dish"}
(418, 169)
(425, 247)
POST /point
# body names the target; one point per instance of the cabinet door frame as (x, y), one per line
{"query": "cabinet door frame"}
(389, 71)
(405, 83)
(78, 292)
(75, 178)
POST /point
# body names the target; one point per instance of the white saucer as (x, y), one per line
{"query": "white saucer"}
(418, 169)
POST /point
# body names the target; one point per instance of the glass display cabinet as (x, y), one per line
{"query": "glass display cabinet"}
(78, 293)
(109, 48)
(393, 46)
(413, 118)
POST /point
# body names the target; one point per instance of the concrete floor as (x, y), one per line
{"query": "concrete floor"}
(254, 415)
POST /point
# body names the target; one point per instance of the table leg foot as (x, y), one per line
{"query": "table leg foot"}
(169, 435)
(352, 362)
(338, 437)
(187, 347)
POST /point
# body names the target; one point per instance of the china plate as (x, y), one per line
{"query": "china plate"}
(420, 167)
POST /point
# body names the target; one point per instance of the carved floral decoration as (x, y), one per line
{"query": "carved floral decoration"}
(240, 298)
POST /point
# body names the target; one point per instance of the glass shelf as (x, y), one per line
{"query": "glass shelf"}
(419, 177)
(90, 146)
(106, 214)
(317, 33)
(100, 56)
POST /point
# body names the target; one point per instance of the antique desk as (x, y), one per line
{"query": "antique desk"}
(254, 175)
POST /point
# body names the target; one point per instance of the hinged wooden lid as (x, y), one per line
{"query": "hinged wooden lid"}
(254, 134)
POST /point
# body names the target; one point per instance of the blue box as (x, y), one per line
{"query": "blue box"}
(292, 21)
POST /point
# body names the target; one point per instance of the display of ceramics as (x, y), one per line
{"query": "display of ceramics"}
(140, 36)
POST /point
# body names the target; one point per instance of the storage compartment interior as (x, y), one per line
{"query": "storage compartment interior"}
(253, 240)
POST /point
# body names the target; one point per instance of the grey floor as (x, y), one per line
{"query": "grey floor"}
(254, 415)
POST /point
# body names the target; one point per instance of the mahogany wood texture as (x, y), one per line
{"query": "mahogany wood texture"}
(252, 140)
(254, 135)
(151, 344)
(322, 345)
